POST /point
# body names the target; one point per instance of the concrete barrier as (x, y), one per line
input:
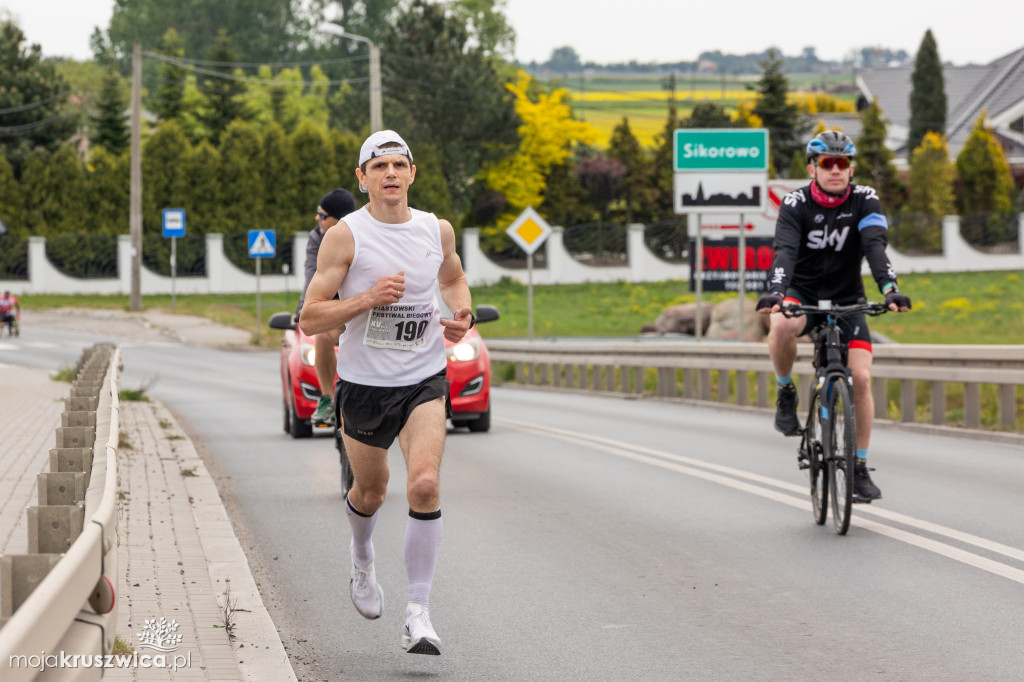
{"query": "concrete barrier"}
(59, 597)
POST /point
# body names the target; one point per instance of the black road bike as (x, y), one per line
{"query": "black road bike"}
(828, 440)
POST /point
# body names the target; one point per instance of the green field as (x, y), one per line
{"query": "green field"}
(949, 308)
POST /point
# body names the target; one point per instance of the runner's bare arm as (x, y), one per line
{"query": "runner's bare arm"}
(454, 288)
(320, 311)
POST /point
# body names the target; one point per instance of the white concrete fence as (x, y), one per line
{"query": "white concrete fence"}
(223, 277)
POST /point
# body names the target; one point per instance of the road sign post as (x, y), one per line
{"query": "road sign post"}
(529, 231)
(174, 227)
(262, 244)
(719, 170)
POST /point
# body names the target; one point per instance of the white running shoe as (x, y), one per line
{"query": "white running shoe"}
(366, 593)
(418, 636)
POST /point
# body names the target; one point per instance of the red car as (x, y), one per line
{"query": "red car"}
(469, 371)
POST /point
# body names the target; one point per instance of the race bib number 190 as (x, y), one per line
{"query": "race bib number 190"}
(399, 327)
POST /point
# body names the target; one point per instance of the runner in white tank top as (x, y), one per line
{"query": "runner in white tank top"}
(385, 261)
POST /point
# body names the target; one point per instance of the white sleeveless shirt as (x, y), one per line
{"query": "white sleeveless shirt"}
(400, 344)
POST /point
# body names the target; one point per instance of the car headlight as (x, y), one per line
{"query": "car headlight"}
(307, 353)
(464, 351)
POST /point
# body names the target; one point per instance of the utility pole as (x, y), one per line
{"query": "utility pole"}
(135, 198)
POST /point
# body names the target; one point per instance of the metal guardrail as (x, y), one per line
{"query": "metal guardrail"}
(60, 598)
(741, 374)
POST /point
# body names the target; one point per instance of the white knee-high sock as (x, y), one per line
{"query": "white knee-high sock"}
(422, 545)
(362, 533)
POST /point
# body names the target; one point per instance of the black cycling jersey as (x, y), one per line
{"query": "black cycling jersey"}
(819, 250)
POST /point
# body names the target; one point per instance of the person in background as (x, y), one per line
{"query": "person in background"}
(8, 303)
(333, 206)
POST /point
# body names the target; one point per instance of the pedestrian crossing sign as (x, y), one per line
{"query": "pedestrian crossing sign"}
(262, 244)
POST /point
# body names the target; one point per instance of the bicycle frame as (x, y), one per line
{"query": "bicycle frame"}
(828, 441)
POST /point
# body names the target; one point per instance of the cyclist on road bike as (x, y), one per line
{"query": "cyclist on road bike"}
(823, 233)
(8, 303)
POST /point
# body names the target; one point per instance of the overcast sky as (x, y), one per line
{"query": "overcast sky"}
(609, 31)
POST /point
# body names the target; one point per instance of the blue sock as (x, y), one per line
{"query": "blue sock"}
(862, 455)
(788, 379)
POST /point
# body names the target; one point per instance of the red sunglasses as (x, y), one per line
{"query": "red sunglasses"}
(830, 162)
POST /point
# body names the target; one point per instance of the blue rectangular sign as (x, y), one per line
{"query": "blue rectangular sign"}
(174, 222)
(262, 244)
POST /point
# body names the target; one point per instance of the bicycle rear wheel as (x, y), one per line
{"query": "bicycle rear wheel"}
(841, 452)
(817, 472)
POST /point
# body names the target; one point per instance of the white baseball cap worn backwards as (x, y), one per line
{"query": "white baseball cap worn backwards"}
(373, 147)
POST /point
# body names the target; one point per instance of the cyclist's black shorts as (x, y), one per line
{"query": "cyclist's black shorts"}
(376, 414)
(853, 328)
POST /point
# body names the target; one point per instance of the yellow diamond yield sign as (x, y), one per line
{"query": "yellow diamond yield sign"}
(529, 230)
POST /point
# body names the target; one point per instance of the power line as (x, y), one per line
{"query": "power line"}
(34, 105)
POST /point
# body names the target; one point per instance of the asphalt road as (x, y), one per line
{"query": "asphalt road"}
(592, 538)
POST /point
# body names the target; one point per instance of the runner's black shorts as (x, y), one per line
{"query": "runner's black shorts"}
(852, 328)
(374, 415)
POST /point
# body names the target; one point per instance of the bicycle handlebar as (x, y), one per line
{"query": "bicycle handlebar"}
(798, 310)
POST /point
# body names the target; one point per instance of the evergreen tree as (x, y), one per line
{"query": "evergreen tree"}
(927, 93)
(430, 191)
(664, 174)
(109, 189)
(874, 160)
(282, 197)
(111, 127)
(707, 115)
(986, 187)
(164, 153)
(33, 182)
(786, 127)
(315, 173)
(638, 192)
(241, 153)
(169, 100)
(459, 104)
(224, 91)
(566, 202)
(33, 99)
(932, 175)
(204, 206)
(346, 156)
(10, 200)
(63, 191)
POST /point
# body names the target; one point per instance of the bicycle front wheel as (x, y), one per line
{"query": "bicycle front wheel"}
(817, 471)
(842, 450)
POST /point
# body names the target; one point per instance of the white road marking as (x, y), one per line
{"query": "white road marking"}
(737, 479)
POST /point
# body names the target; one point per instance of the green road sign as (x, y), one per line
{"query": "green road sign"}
(720, 149)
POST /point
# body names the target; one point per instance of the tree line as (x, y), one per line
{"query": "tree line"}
(243, 142)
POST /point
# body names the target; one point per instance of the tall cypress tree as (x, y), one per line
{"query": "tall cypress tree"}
(223, 91)
(786, 127)
(927, 94)
(169, 99)
(874, 159)
(636, 185)
(111, 129)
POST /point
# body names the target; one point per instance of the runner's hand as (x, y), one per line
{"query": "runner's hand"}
(387, 290)
(456, 328)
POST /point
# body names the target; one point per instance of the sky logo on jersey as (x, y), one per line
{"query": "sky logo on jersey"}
(821, 239)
